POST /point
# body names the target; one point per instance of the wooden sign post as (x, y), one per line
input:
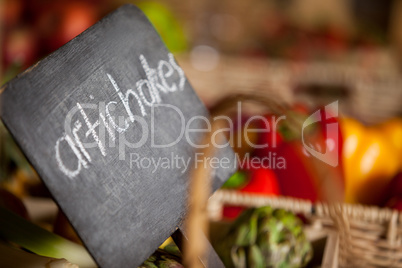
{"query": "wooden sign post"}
(110, 123)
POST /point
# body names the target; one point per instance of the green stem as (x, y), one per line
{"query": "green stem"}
(40, 241)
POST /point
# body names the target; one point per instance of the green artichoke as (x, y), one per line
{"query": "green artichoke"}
(264, 237)
(162, 259)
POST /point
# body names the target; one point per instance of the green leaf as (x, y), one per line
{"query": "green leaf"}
(40, 241)
(235, 181)
(256, 259)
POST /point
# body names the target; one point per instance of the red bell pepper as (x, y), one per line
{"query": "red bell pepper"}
(269, 140)
(318, 177)
(262, 182)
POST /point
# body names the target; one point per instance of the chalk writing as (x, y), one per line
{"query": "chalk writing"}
(154, 85)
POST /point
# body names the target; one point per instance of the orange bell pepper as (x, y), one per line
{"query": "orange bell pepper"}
(392, 128)
(370, 161)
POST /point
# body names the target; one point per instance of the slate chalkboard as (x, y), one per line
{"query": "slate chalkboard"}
(79, 116)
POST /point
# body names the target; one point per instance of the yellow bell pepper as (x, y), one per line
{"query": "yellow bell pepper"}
(370, 161)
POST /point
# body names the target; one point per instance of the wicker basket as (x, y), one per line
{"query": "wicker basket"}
(367, 236)
(372, 92)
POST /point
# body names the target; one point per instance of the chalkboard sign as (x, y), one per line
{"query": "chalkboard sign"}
(108, 122)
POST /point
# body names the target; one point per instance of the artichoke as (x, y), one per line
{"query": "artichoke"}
(264, 237)
(162, 259)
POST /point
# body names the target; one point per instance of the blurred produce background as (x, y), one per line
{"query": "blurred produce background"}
(357, 31)
(304, 54)
(243, 45)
